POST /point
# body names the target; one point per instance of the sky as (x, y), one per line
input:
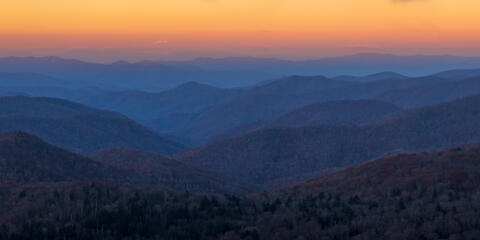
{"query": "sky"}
(133, 30)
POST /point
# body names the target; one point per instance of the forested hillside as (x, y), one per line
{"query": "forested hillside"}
(430, 195)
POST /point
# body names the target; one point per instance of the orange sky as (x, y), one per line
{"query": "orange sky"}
(105, 30)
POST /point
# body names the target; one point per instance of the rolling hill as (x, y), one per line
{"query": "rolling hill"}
(269, 101)
(141, 106)
(258, 103)
(432, 93)
(346, 112)
(26, 158)
(78, 128)
(271, 154)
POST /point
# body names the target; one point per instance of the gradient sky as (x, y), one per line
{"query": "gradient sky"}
(107, 30)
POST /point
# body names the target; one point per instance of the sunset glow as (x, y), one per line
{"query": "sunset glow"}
(270, 28)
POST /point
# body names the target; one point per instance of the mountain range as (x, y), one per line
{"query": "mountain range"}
(370, 146)
(226, 72)
(273, 154)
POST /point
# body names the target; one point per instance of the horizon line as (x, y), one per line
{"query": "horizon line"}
(238, 57)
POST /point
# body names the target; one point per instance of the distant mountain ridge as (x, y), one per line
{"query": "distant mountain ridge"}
(371, 77)
(227, 72)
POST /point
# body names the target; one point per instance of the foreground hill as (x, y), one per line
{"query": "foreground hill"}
(430, 195)
(271, 154)
(78, 128)
(25, 159)
(163, 171)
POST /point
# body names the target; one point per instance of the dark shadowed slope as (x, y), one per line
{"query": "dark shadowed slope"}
(163, 171)
(430, 195)
(346, 112)
(26, 158)
(47, 107)
(78, 128)
(186, 98)
(266, 155)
